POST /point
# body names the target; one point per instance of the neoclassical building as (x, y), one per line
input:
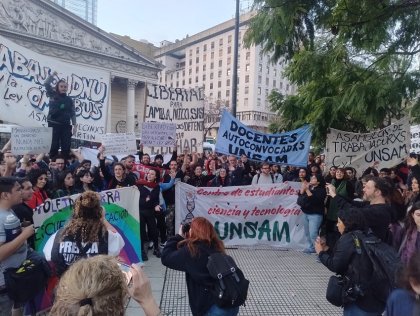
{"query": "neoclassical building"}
(48, 29)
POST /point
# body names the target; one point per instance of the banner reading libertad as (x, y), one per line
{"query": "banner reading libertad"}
(185, 108)
(23, 98)
(246, 215)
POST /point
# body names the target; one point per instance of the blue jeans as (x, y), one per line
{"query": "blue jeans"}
(312, 222)
(6, 305)
(215, 310)
(354, 310)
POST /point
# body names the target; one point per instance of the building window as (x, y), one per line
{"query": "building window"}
(246, 91)
(183, 73)
(275, 72)
(172, 76)
(212, 45)
(229, 38)
(281, 85)
(177, 84)
(258, 102)
(287, 87)
(211, 65)
(190, 62)
(196, 79)
(197, 50)
(229, 50)
(248, 56)
(219, 84)
(190, 52)
(228, 72)
(205, 47)
(228, 83)
(267, 81)
(212, 55)
(220, 52)
(259, 90)
(177, 74)
(197, 60)
(211, 85)
(204, 57)
(274, 83)
(228, 60)
(246, 78)
(211, 75)
(219, 95)
(246, 102)
(266, 92)
(204, 67)
(204, 77)
(227, 93)
(219, 74)
(247, 67)
(220, 63)
(190, 71)
(221, 42)
(197, 69)
(190, 81)
(183, 82)
(268, 69)
(260, 68)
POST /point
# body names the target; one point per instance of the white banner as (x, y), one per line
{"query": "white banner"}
(158, 134)
(119, 143)
(31, 140)
(23, 98)
(388, 146)
(185, 108)
(246, 215)
(415, 139)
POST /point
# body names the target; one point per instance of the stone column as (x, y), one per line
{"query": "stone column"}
(109, 112)
(131, 102)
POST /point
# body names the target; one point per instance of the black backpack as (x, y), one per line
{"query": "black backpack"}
(230, 286)
(385, 264)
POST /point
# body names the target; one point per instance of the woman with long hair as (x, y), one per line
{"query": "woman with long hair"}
(409, 240)
(39, 180)
(189, 252)
(84, 181)
(221, 180)
(86, 234)
(350, 260)
(65, 184)
(345, 189)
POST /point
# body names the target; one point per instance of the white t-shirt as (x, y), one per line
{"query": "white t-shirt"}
(115, 244)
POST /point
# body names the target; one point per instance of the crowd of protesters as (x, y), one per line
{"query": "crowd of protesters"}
(389, 198)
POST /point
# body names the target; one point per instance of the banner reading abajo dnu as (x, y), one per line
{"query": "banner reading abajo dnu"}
(246, 215)
(288, 148)
(388, 147)
(122, 212)
(23, 98)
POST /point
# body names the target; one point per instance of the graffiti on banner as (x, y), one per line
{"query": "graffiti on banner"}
(185, 108)
(289, 148)
(119, 143)
(22, 76)
(30, 140)
(388, 146)
(141, 170)
(122, 212)
(415, 139)
(158, 134)
(246, 215)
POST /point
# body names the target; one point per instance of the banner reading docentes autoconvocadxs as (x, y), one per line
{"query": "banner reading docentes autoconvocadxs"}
(289, 148)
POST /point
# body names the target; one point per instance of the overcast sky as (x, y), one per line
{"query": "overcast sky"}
(159, 20)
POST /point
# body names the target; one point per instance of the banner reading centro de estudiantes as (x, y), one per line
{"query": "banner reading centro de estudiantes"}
(246, 215)
(23, 98)
(289, 148)
(122, 212)
(388, 146)
(185, 108)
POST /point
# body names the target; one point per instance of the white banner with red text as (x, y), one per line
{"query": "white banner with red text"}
(246, 215)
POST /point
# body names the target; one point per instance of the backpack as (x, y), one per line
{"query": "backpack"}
(230, 286)
(259, 175)
(29, 279)
(385, 264)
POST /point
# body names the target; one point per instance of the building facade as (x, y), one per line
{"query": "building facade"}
(46, 28)
(206, 59)
(85, 9)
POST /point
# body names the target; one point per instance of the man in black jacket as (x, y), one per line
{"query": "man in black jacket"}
(377, 212)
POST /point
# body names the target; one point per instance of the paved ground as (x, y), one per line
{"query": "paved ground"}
(281, 283)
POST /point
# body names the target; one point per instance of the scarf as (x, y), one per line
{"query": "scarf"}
(408, 245)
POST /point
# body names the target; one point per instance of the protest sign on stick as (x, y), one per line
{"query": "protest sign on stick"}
(415, 139)
(158, 134)
(388, 147)
(119, 144)
(288, 148)
(31, 140)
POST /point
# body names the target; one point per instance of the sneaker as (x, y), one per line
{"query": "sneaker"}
(308, 251)
(150, 245)
(156, 252)
(162, 244)
(144, 256)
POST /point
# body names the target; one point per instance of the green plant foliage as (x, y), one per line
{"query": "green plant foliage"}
(356, 63)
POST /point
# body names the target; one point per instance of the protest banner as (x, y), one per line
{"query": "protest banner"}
(183, 107)
(246, 215)
(122, 212)
(388, 147)
(141, 170)
(158, 134)
(30, 140)
(289, 148)
(23, 98)
(119, 143)
(415, 139)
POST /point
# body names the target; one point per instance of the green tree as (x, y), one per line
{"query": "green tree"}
(356, 63)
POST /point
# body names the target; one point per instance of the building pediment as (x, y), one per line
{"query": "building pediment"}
(49, 23)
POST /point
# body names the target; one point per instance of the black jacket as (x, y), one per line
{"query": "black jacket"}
(345, 260)
(313, 204)
(197, 276)
(147, 206)
(378, 216)
(61, 107)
